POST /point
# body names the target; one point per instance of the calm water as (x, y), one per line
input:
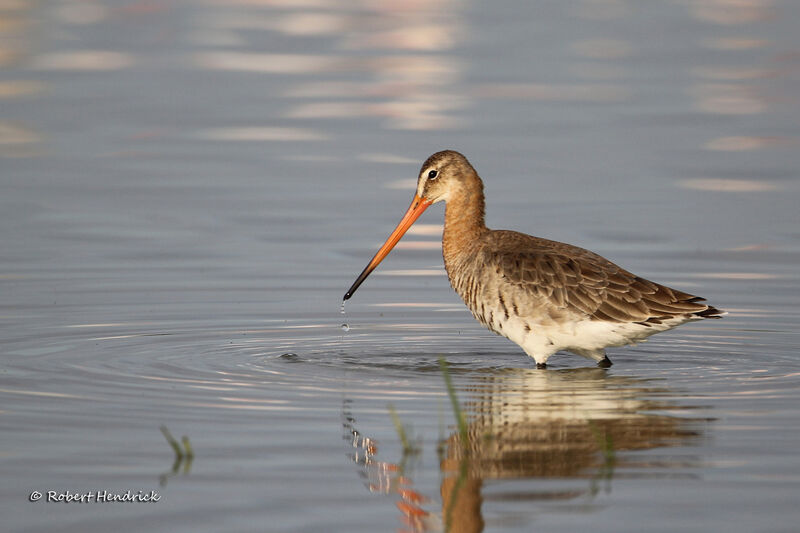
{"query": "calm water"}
(188, 188)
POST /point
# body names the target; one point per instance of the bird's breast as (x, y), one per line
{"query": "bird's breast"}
(482, 290)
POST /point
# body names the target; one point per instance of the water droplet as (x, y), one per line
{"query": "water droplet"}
(345, 327)
(341, 310)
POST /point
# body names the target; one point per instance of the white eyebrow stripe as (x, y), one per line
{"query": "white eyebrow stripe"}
(421, 182)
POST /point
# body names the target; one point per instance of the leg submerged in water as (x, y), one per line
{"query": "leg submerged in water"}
(605, 362)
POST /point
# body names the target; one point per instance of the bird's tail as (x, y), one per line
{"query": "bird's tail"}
(708, 312)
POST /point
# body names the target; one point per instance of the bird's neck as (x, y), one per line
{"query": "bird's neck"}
(463, 223)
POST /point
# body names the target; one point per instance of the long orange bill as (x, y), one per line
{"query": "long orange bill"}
(418, 205)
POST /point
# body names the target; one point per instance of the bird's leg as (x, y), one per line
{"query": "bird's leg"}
(541, 365)
(605, 362)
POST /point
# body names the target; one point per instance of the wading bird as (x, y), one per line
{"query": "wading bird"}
(544, 295)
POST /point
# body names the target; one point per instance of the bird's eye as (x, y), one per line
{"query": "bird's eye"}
(433, 174)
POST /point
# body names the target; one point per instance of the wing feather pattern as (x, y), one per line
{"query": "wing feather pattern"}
(549, 275)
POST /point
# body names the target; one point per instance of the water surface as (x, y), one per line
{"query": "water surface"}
(189, 188)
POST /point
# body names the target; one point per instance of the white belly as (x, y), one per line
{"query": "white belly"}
(588, 338)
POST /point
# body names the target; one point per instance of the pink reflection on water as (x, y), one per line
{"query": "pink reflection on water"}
(590, 92)
(270, 63)
(736, 275)
(407, 91)
(603, 48)
(20, 88)
(728, 185)
(735, 43)
(261, 134)
(412, 272)
(731, 12)
(418, 245)
(727, 99)
(732, 73)
(743, 143)
(18, 140)
(86, 60)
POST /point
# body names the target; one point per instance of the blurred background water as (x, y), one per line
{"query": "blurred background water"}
(188, 188)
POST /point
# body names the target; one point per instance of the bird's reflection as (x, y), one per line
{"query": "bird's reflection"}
(567, 425)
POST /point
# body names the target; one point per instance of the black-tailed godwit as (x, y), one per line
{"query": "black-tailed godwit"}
(544, 295)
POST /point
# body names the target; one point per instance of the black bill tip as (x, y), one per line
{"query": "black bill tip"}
(357, 283)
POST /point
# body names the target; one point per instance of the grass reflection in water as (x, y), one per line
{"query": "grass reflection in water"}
(546, 429)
